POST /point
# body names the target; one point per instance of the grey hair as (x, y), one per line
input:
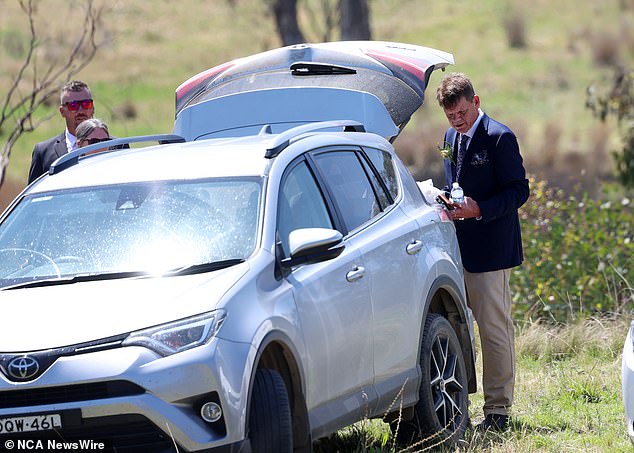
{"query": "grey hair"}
(73, 85)
(85, 128)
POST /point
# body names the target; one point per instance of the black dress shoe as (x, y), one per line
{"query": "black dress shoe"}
(494, 422)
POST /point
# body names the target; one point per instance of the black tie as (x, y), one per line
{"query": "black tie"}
(462, 149)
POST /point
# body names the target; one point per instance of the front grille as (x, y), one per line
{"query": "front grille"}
(68, 393)
(119, 433)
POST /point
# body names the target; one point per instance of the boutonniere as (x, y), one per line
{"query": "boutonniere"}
(446, 151)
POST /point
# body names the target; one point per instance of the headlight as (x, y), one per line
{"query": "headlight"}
(177, 336)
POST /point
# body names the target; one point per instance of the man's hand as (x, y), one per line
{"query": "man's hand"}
(468, 210)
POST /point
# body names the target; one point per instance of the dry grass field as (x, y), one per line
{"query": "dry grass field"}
(531, 62)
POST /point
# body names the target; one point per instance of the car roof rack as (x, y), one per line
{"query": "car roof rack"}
(284, 139)
(117, 144)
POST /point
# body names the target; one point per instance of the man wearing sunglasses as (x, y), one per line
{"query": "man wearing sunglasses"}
(76, 105)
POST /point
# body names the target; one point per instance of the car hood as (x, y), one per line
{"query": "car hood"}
(394, 74)
(54, 316)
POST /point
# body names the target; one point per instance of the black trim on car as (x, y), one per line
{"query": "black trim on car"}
(68, 393)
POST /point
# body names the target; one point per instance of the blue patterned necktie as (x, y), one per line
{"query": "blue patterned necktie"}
(462, 149)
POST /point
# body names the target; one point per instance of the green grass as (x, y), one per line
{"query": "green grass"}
(567, 396)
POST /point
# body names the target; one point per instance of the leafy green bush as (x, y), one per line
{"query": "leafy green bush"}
(579, 255)
(616, 99)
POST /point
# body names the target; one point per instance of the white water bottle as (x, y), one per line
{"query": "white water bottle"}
(457, 194)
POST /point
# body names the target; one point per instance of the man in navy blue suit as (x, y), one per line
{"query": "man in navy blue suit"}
(487, 164)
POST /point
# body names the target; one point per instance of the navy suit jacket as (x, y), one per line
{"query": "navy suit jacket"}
(45, 153)
(493, 175)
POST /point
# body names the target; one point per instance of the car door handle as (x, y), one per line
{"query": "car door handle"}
(414, 247)
(355, 274)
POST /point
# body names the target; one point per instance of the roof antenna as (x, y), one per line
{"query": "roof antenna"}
(266, 130)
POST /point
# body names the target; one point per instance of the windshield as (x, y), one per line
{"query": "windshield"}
(142, 227)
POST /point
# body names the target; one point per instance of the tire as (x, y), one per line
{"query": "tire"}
(441, 414)
(270, 426)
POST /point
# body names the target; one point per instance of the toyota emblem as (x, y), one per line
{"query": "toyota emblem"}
(23, 367)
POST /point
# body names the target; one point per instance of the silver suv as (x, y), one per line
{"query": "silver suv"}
(265, 275)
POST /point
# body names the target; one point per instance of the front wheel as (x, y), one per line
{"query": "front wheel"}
(441, 414)
(270, 426)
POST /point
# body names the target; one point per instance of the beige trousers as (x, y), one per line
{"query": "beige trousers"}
(489, 296)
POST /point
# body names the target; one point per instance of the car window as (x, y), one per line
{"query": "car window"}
(147, 227)
(384, 164)
(349, 185)
(379, 188)
(301, 204)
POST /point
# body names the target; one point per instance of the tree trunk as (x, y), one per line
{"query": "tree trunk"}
(355, 20)
(285, 12)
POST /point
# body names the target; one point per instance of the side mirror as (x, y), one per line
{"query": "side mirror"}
(313, 245)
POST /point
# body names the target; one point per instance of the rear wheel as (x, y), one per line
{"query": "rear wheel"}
(270, 426)
(441, 414)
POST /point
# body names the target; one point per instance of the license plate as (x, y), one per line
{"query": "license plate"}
(30, 423)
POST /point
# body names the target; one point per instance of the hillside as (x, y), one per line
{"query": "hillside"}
(538, 88)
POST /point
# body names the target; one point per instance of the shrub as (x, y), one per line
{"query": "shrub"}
(605, 48)
(578, 255)
(617, 99)
(515, 28)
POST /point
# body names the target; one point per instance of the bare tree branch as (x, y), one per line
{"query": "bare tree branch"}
(18, 108)
(7, 109)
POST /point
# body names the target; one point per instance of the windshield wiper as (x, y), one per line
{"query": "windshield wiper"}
(185, 270)
(307, 68)
(79, 278)
(205, 267)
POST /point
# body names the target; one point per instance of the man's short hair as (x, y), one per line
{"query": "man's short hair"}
(453, 87)
(73, 85)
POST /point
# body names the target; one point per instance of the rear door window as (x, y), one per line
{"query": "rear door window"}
(349, 185)
(384, 164)
(379, 188)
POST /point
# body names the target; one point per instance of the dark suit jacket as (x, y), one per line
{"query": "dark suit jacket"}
(493, 175)
(45, 153)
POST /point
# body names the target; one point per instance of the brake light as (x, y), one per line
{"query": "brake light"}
(187, 89)
(404, 63)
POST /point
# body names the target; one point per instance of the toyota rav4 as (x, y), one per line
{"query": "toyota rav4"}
(265, 275)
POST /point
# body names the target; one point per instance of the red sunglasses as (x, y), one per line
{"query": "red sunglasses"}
(73, 106)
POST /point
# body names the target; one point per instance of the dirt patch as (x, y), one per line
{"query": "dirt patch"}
(10, 188)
